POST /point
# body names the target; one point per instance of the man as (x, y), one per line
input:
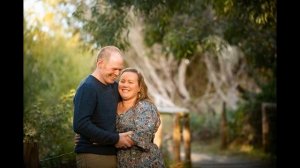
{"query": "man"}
(95, 104)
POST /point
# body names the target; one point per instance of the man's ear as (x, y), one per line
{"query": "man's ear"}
(100, 63)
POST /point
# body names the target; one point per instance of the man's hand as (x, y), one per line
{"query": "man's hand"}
(76, 139)
(125, 140)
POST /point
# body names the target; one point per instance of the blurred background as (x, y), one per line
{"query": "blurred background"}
(214, 60)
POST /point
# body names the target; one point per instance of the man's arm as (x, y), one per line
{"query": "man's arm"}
(125, 140)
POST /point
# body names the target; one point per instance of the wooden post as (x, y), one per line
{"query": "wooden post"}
(158, 135)
(176, 137)
(180, 132)
(187, 140)
(224, 127)
(266, 125)
(31, 155)
(265, 128)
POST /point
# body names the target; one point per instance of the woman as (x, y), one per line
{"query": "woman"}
(137, 113)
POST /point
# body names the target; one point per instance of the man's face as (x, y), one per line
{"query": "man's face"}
(111, 68)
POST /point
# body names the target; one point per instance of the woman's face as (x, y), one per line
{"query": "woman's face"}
(128, 86)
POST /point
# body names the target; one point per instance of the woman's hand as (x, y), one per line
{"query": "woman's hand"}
(125, 140)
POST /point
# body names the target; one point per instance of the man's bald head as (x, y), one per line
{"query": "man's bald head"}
(107, 51)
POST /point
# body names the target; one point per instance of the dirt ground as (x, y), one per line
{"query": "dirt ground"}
(202, 160)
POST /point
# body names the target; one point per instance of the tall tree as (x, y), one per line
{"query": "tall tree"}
(177, 30)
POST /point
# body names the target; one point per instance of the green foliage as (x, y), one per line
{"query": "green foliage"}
(179, 31)
(267, 95)
(252, 26)
(245, 124)
(204, 127)
(237, 125)
(51, 127)
(105, 24)
(163, 20)
(259, 12)
(180, 26)
(53, 67)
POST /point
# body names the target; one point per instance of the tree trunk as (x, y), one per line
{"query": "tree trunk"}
(165, 80)
(181, 80)
(31, 155)
(224, 131)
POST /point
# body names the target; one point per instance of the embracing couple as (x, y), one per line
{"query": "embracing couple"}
(115, 122)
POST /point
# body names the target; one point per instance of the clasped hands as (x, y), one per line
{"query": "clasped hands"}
(124, 142)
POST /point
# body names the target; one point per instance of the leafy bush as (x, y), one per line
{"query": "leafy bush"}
(53, 67)
(205, 126)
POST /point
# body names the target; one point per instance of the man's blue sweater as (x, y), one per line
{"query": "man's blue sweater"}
(95, 106)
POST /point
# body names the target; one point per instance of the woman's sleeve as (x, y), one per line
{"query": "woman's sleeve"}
(147, 122)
